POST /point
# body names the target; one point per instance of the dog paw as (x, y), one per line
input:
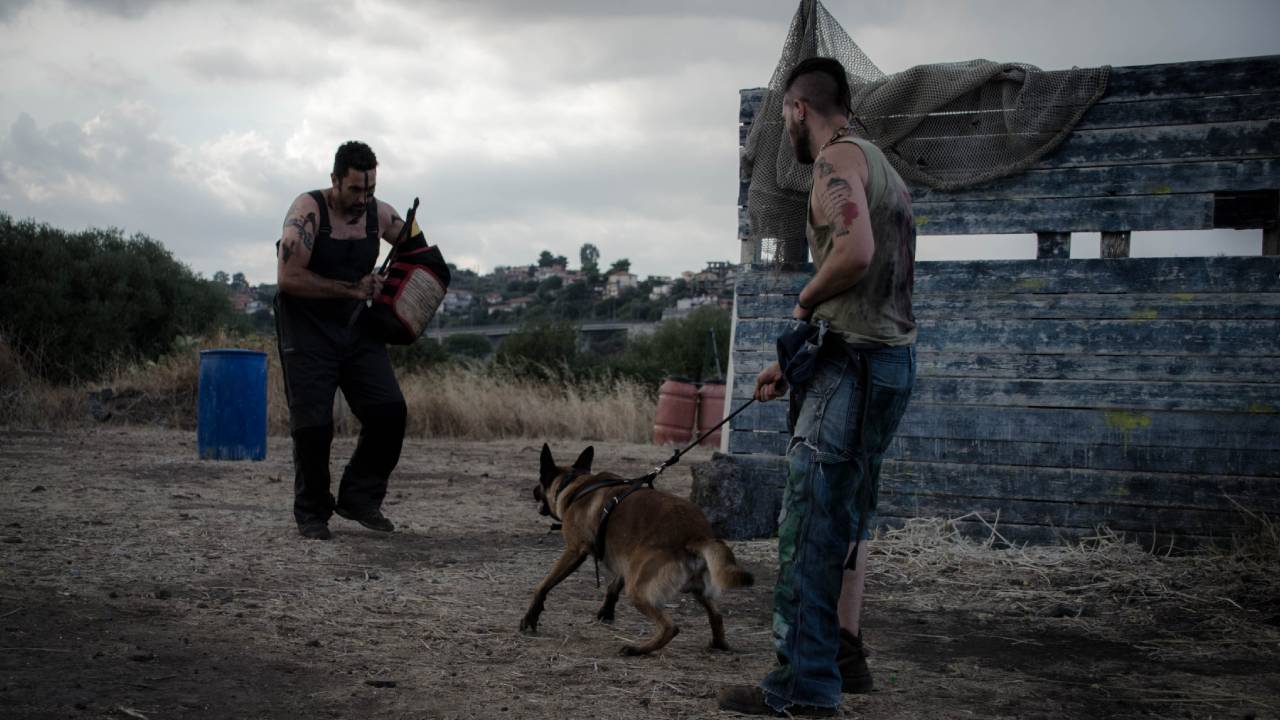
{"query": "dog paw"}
(605, 617)
(630, 651)
(720, 645)
(529, 625)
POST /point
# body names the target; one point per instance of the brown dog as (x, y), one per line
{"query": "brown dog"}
(656, 544)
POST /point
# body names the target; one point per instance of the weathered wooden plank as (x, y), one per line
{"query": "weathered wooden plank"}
(1068, 366)
(1091, 148)
(1142, 275)
(1226, 465)
(1078, 214)
(765, 443)
(1116, 244)
(1113, 337)
(1148, 113)
(1257, 462)
(1078, 485)
(1229, 76)
(1253, 398)
(1049, 245)
(1119, 180)
(1133, 275)
(1128, 518)
(749, 100)
(939, 307)
(1244, 431)
(1139, 368)
(1092, 427)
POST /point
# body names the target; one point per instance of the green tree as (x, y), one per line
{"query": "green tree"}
(588, 255)
(98, 299)
(423, 353)
(680, 347)
(545, 259)
(547, 349)
(621, 265)
(473, 347)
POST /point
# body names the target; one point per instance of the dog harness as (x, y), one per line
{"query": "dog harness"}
(597, 546)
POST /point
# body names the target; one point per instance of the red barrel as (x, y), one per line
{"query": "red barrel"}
(710, 411)
(677, 407)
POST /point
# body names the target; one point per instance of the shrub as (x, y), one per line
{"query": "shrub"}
(77, 304)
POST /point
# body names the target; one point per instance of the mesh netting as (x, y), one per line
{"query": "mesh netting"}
(947, 126)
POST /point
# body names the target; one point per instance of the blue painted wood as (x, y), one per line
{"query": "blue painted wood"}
(1153, 179)
(1250, 139)
(1149, 428)
(1125, 337)
(1078, 214)
(1213, 462)
(1074, 366)
(1171, 275)
(1076, 306)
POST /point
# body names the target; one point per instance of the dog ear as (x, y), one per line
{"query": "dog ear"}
(584, 460)
(547, 471)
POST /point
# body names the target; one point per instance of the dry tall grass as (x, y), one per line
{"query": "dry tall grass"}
(451, 401)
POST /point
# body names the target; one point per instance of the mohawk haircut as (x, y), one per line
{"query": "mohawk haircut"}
(823, 83)
(353, 154)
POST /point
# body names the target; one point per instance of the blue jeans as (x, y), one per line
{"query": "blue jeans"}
(820, 514)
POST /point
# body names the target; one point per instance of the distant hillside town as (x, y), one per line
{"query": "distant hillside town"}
(546, 289)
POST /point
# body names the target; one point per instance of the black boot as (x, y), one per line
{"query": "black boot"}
(855, 677)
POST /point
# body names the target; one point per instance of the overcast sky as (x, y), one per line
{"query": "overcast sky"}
(522, 125)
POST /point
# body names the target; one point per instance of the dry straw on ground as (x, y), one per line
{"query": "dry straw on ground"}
(455, 401)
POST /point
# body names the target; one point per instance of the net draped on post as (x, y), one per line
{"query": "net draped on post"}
(947, 126)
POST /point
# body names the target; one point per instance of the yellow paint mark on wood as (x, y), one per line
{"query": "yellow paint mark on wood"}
(922, 220)
(1262, 408)
(1144, 314)
(1162, 189)
(1033, 284)
(1126, 422)
(1184, 297)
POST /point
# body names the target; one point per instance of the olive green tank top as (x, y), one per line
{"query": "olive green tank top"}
(877, 310)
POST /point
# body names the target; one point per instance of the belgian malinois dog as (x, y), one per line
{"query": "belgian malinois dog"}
(656, 545)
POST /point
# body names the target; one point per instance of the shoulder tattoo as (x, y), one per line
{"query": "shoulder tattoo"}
(306, 227)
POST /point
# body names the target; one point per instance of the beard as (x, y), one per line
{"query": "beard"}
(799, 136)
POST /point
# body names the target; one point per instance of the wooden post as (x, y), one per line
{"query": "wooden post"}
(1115, 244)
(1053, 245)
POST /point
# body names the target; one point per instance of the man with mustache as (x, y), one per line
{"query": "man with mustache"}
(861, 233)
(326, 256)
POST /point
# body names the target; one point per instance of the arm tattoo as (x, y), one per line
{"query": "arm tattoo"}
(305, 227)
(824, 168)
(839, 206)
(286, 251)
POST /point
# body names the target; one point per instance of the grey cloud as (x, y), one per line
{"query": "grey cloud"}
(10, 8)
(128, 9)
(231, 65)
(868, 11)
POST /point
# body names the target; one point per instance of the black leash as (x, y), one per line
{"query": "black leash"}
(675, 458)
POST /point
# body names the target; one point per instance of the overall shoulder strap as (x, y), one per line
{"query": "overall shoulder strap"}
(325, 228)
(371, 219)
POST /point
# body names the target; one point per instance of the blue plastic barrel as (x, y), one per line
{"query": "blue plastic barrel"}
(231, 423)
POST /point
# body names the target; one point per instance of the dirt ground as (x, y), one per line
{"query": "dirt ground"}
(139, 582)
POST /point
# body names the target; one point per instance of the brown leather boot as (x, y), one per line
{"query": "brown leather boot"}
(749, 700)
(855, 677)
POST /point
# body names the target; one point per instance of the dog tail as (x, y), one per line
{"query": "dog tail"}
(724, 569)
